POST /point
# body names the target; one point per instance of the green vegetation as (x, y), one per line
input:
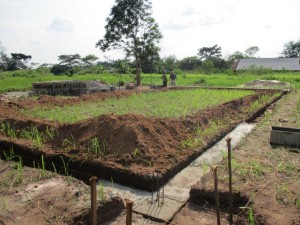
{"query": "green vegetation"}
(43, 173)
(9, 156)
(101, 193)
(66, 166)
(297, 203)
(298, 105)
(19, 168)
(262, 100)
(97, 148)
(69, 143)
(7, 130)
(23, 79)
(10, 82)
(159, 104)
(31, 133)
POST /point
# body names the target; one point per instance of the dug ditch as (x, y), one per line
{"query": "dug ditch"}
(157, 140)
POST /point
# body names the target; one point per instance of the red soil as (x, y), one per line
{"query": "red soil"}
(135, 146)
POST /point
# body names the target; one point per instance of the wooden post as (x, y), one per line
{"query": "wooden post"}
(129, 205)
(93, 181)
(228, 140)
(214, 168)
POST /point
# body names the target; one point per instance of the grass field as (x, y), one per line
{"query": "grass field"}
(159, 104)
(12, 82)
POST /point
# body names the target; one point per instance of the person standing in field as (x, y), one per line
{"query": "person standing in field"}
(164, 79)
(173, 78)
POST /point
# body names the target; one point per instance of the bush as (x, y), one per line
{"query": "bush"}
(202, 81)
(121, 83)
(59, 69)
(178, 72)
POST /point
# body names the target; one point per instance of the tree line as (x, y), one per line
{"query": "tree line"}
(131, 28)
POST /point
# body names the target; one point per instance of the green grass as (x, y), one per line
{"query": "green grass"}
(10, 83)
(31, 133)
(158, 104)
(16, 81)
(298, 106)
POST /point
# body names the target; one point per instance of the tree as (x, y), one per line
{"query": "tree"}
(67, 64)
(291, 49)
(89, 60)
(58, 69)
(218, 63)
(210, 52)
(18, 61)
(130, 27)
(236, 55)
(4, 59)
(149, 60)
(208, 66)
(70, 60)
(251, 51)
(190, 63)
(169, 62)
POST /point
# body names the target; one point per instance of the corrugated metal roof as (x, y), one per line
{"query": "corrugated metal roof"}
(272, 63)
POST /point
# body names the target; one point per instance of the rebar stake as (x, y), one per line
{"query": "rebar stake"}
(228, 140)
(214, 168)
(157, 189)
(129, 205)
(163, 197)
(93, 181)
(152, 188)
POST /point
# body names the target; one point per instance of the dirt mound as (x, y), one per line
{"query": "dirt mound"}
(266, 84)
(131, 145)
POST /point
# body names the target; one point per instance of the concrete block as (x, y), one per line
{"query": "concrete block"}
(285, 136)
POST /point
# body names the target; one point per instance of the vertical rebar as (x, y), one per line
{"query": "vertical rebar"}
(163, 197)
(93, 181)
(152, 188)
(228, 140)
(214, 168)
(129, 205)
(156, 174)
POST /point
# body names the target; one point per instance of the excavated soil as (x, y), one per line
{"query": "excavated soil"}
(29, 198)
(265, 177)
(135, 147)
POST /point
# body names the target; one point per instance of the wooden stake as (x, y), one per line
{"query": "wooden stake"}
(214, 168)
(129, 205)
(93, 181)
(228, 140)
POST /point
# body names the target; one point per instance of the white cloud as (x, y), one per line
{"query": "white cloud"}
(208, 21)
(18, 2)
(174, 26)
(189, 11)
(186, 26)
(32, 40)
(229, 8)
(267, 27)
(59, 24)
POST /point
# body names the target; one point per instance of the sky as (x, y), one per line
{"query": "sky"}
(46, 29)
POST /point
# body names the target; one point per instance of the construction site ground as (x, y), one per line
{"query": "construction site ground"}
(271, 188)
(272, 194)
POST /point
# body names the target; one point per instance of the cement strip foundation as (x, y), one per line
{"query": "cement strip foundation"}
(176, 191)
